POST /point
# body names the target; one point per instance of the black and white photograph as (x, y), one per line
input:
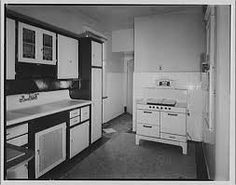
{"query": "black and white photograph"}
(117, 92)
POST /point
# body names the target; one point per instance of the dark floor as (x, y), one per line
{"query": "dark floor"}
(116, 156)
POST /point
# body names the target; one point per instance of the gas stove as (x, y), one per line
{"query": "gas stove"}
(164, 105)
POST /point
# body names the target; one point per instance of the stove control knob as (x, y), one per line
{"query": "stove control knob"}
(169, 108)
(153, 107)
(157, 107)
(165, 107)
(161, 108)
(150, 107)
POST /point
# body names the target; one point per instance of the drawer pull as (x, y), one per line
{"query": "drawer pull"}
(147, 126)
(148, 112)
(170, 114)
(172, 137)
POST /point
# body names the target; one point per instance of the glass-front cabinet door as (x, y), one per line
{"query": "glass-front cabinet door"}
(36, 45)
(48, 48)
(27, 43)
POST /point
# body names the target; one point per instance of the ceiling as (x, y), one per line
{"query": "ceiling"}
(111, 18)
(121, 17)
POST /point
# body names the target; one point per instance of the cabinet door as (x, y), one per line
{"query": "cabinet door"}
(173, 123)
(96, 54)
(50, 148)
(97, 104)
(79, 138)
(10, 49)
(28, 43)
(20, 172)
(47, 47)
(67, 57)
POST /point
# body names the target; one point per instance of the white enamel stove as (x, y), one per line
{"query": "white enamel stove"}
(162, 120)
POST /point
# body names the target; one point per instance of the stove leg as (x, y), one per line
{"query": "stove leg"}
(184, 147)
(137, 140)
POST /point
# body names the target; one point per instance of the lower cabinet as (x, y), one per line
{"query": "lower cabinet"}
(50, 148)
(79, 138)
(20, 172)
(18, 136)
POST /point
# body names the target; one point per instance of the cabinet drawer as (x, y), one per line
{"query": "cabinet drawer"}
(147, 116)
(17, 130)
(19, 141)
(74, 120)
(173, 137)
(148, 130)
(74, 113)
(84, 113)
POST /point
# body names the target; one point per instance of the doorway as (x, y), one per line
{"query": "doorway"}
(129, 93)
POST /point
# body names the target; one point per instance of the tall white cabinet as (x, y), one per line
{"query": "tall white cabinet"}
(91, 85)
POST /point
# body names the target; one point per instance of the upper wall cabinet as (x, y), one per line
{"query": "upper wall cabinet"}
(96, 54)
(36, 45)
(67, 57)
(10, 49)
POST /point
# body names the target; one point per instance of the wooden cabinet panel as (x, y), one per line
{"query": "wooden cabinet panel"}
(50, 148)
(96, 54)
(17, 131)
(79, 138)
(97, 104)
(10, 49)
(20, 172)
(85, 113)
(67, 57)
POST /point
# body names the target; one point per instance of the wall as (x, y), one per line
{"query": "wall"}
(217, 153)
(222, 93)
(123, 40)
(172, 42)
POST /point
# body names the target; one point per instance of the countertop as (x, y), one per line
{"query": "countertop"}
(25, 114)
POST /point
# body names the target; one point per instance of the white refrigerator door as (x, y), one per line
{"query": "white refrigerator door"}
(96, 131)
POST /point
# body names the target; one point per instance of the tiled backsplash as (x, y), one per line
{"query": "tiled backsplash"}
(190, 81)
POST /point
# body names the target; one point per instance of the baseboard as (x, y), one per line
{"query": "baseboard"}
(207, 166)
(114, 117)
(125, 109)
(202, 173)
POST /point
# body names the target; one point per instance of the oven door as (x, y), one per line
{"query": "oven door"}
(173, 123)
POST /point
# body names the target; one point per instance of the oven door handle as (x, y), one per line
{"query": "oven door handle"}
(171, 114)
(148, 112)
(146, 126)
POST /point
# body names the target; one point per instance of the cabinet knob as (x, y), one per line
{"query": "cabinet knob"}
(26, 165)
(70, 61)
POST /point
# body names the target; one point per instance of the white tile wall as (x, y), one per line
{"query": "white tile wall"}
(191, 81)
